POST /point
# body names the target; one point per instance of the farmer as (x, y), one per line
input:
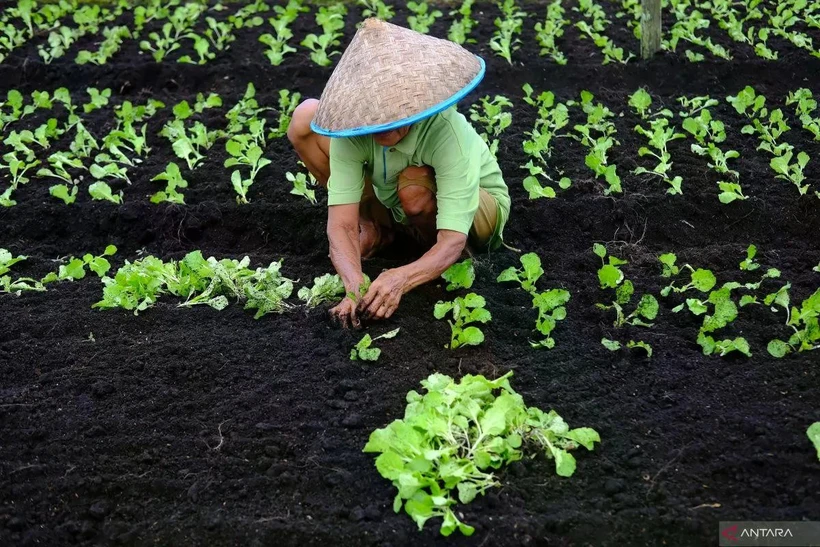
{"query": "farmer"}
(394, 154)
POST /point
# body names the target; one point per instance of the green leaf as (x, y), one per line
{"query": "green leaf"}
(61, 191)
(611, 345)
(632, 344)
(470, 336)
(778, 348)
(599, 250)
(564, 462)
(609, 276)
(813, 433)
(460, 275)
(703, 280)
(585, 436)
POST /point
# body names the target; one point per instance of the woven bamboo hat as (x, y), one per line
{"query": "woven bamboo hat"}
(389, 77)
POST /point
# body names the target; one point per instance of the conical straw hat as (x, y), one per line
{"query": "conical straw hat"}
(390, 77)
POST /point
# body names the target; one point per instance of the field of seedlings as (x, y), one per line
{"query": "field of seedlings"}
(171, 375)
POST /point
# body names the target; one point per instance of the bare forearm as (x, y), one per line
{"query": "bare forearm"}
(345, 254)
(446, 251)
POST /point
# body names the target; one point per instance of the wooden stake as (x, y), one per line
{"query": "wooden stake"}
(650, 27)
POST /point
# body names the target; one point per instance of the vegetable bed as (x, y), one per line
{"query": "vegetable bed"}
(192, 425)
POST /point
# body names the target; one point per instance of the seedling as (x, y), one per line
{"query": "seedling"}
(99, 99)
(641, 103)
(493, 118)
(7, 260)
(609, 274)
(804, 323)
(548, 32)
(460, 275)
(331, 20)
(114, 37)
(530, 272)
(362, 350)
(659, 135)
(244, 151)
(597, 136)
(287, 104)
(17, 166)
(701, 280)
(173, 180)
(668, 263)
(505, 38)
(377, 9)
(614, 345)
(792, 172)
(101, 191)
(461, 28)
(550, 306)
(302, 186)
(464, 310)
(75, 268)
(451, 439)
(423, 17)
(277, 43)
(749, 263)
(327, 288)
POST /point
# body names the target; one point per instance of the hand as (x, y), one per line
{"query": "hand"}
(345, 313)
(384, 295)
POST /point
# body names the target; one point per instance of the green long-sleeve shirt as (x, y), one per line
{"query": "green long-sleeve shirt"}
(446, 142)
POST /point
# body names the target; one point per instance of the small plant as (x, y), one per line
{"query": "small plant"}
(548, 32)
(460, 275)
(244, 151)
(173, 180)
(277, 43)
(7, 260)
(17, 165)
(597, 135)
(461, 28)
(550, 306)
(804, 323)
(137, 286)
(302, 186)
(530, 272)
(505, 38)
(423, 17)
(287, 104)
(749, 263)
(101, 191)
(362, 350)
(659, 135)
(452, 438)
(493, 117)
(610, 276)
(614, 345)
(327, 288)
(377, 9)
(76, 267)
(331, 20)
(465, 310)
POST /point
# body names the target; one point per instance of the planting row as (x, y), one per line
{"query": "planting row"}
(63, 150)
(455, 435)
(164, 29)
(138, 285)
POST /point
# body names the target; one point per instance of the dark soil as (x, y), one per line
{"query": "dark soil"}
(199, 427)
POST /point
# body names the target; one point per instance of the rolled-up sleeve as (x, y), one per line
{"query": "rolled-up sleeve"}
(458, 173)
(346, 183)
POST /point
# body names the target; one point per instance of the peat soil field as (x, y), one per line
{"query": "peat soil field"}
(204, 427)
